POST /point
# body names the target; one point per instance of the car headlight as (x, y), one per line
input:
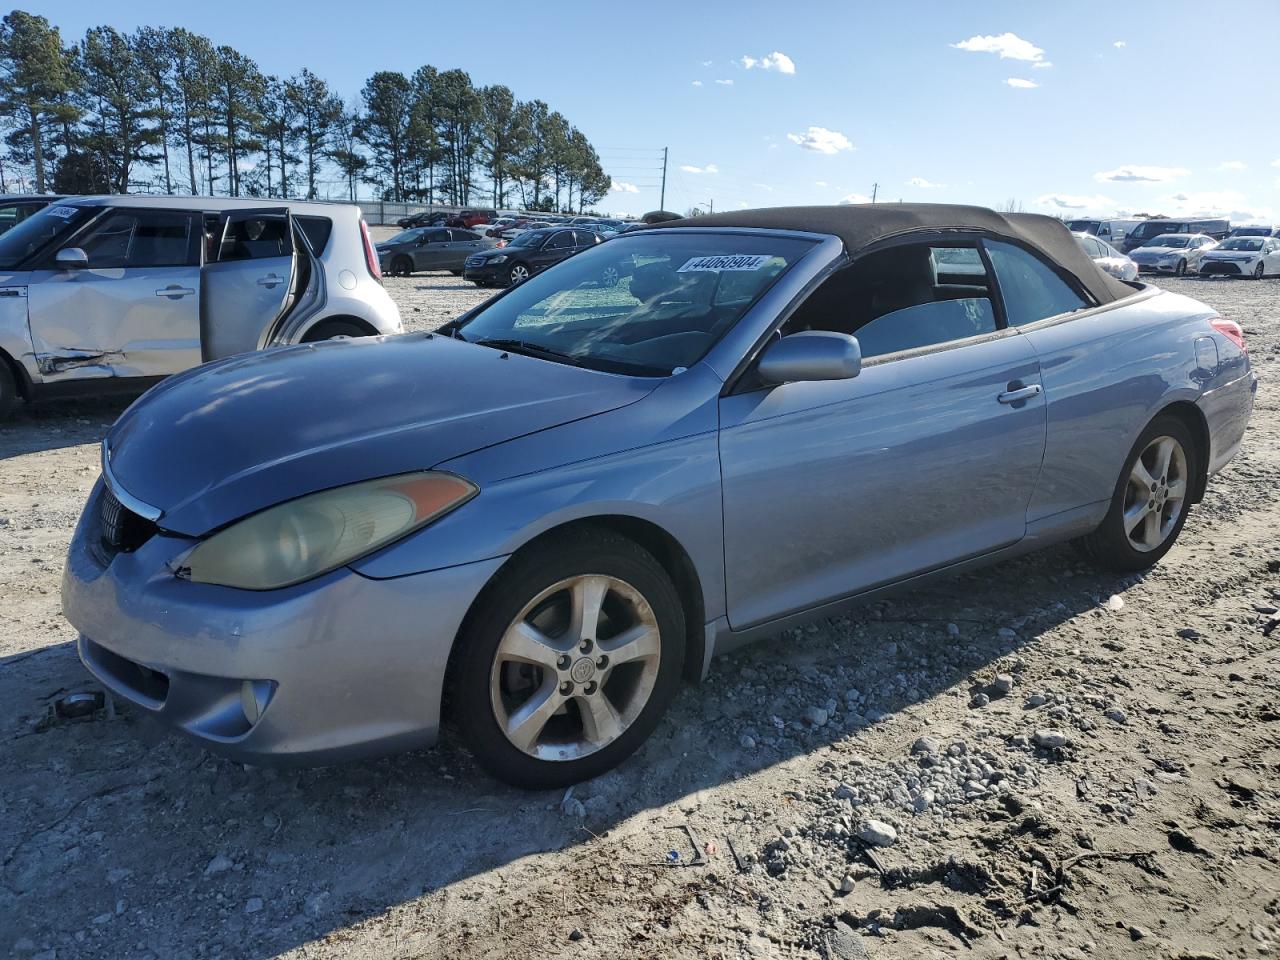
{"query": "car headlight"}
(501, 258)
(304, 538)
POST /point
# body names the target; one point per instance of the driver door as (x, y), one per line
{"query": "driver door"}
(248, 281)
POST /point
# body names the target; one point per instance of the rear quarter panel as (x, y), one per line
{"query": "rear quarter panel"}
(1106, 374)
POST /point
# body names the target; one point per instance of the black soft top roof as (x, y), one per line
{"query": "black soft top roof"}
(860, 225)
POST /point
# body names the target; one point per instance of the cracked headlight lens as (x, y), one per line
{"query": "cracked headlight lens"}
(312, 535)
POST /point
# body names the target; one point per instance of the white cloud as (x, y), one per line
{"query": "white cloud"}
(763, 186)
(821, 140)
(924, 184)
(709, 168)
(1071, 201)
(1022, 84)
(821, 183)
(707, 63)
(1232, 165)
(772, 61)
(1220, 203)
(1042, 65)
(725, 83)
(697, 83)
(855, 198)
(1136, 173)
(621, 186)
(1275, 163)
(1010, 46)
(1119, 44)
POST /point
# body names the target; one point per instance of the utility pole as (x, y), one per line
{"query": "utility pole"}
(662, 199)
(874, 188)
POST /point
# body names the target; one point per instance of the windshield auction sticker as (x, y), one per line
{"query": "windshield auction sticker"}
(63, 212)
(717, 264)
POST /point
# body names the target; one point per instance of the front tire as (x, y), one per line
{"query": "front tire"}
(1181, 269)
(1259, 271)
(568, 661)
(518, 274)
(8, 390)
(1151, 501)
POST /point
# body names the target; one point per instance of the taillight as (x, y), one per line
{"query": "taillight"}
(502, 243)
(1231, 330)
(370, 254)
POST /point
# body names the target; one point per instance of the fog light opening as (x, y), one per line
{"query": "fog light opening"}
(254, 697)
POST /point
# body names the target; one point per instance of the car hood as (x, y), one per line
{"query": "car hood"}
(1232, 254)
(228, 439)
(1157, 251)
(487, 252)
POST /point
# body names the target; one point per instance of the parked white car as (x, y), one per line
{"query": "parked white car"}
(1255, 257)
(1174, 253)
(1108, 257)
(99, 294)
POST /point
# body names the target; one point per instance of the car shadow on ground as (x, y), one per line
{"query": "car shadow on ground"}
(260, 860)
(54, 424)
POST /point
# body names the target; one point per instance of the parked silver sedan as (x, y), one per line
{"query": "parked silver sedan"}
(108, 293)
(1174, 253)
(550, 512)
(1108, 257)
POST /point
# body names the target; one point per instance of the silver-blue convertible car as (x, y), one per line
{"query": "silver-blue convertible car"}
(537, 520)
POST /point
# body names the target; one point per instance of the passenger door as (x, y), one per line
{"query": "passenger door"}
(462, 244)
(134, 311)
(432, 253)
(249, 282)
(558, 247)
(928, 457)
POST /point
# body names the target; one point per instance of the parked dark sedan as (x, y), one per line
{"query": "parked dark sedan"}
(424, 219)
(430, 248)
(529, 253)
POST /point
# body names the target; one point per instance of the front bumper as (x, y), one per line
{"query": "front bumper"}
(1170, 266)
(485, 271)
(1228, 268)
(338, 668)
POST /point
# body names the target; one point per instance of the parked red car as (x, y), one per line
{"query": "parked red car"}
(471, 218)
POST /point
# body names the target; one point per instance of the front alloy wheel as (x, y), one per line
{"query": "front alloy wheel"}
(1258, 271)
(569, 660)
(1181, 269)
(519, 274)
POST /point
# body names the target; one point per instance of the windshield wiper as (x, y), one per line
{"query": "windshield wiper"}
(530, 350)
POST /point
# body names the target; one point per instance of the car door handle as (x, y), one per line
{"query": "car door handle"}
(270, 280)
(175, 292)
(1021, 393)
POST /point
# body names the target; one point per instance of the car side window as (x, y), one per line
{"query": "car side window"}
(907, 297)
(1030, 288)
(256, 238)
(317, 231)
(464, 235)
(436, 236)
(141, 238)
(561, 240)
(586, 238)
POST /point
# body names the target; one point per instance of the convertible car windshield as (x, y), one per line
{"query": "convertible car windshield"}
(675, 295)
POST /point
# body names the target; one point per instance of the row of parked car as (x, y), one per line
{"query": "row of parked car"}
(1179, 247)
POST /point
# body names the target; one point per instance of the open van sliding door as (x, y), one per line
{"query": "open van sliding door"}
(250, 280)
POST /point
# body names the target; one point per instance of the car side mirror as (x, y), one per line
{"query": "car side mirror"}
(811, 355)
(71, 258)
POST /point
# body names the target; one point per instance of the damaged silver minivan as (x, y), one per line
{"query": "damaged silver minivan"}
(99, 294)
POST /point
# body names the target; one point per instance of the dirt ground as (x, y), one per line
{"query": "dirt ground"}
(1068, 764)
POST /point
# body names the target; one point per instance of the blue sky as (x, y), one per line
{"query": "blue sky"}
(1071, 108)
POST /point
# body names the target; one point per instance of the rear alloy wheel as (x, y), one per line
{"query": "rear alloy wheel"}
(609, 276)
(402, 267)
(1259, 271)
(1151, 501)
(519, 274)
(575, 654)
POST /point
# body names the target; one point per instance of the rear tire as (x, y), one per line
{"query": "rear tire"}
(335, 330)
(456, 273)
(1147, 500)
(554, 711)
(402, 267)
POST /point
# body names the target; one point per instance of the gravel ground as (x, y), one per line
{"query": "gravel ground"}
(1034, 760)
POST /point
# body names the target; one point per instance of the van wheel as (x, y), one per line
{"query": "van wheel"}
(334, 330)
(8, 390)
(1151, 500)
